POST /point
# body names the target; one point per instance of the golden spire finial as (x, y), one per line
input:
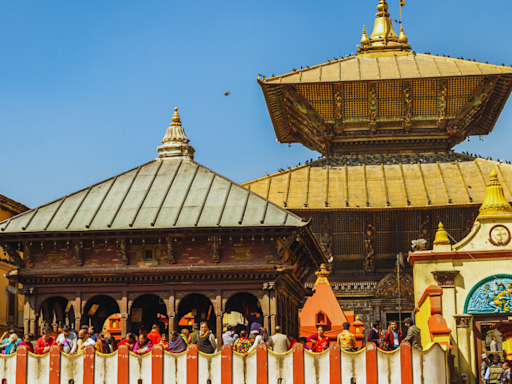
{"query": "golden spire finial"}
(364, 39)
(321, 275)
(175, 142)
(176, 116)
(383, 37)
(441, 235)
(495, 202)
(402, 39)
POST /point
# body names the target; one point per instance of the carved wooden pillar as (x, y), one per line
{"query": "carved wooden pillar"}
(78, 310)
(172, 312)
(124, 314)
(265, 308)
(218, 314)
(273, 310)
(29, 314)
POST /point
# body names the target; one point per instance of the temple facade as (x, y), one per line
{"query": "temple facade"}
(168, 240)
(385, 122)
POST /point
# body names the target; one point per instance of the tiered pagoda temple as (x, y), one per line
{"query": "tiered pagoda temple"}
(170, 239)
(385, 121)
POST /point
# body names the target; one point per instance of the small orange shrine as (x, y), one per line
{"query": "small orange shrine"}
(114, 326)
(323, 309)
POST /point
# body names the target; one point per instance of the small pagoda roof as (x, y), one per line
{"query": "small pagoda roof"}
(383, 182)
(12, 205)
(172, 191)
(387, 66)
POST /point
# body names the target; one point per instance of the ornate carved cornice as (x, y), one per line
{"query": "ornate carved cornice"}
(462, 320)
(445, 279)
(169, 277)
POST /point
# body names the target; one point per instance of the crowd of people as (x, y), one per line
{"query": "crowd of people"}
(493, 371)
(243, 340)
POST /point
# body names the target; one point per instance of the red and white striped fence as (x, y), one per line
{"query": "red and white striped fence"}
(370, 366)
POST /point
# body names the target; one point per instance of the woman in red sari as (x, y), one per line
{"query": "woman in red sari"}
(320, 341)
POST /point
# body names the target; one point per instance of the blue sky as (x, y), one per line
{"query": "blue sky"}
(87, 88)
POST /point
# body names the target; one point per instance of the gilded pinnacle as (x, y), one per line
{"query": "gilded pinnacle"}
(441, 235)
(495, 202)
(321, 275)
(176, 116)
(364, 39)
(402, 39)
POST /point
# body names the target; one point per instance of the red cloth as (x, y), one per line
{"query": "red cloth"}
(154, 336)
(125, 342)
(292, 344)
(41, 344)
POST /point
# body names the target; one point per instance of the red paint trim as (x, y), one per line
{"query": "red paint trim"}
(157, 364)
(261, 364)
(123, 365)
(371, 363)
(192, 364)
(89, 365)
(226, 364)
(455, 255)
(55, 365)
(21, 365)
(334, 364)
(298, 364)
(406, 363)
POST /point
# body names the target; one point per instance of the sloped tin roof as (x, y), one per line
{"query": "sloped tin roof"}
(162, 194)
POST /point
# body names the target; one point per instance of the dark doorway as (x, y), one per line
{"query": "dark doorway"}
(97, 310)
(148, 310)
(56, 312)
(195, 308)
(243, 309)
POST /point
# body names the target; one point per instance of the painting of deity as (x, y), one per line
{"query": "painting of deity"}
(492, 295)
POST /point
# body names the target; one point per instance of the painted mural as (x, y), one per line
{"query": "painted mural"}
(492, 295)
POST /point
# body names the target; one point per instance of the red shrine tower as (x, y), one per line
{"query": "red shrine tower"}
(322, 309)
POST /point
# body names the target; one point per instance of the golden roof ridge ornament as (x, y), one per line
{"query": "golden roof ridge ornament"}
(175, 142)
(321, 275)
(441, 235)
(495, 202)
(383, 37)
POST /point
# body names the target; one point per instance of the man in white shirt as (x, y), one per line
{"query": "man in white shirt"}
(494, 345)
(67, 340)
(279, 342)
(229, 337)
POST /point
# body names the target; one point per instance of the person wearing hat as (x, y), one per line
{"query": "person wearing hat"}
(463, 379)
(413, 334)
(486, 363)
(255, 328)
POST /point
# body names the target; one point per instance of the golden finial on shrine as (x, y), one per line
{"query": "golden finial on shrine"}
(495, 202)
(364, 39)
(321, 275)
(176, 116)
(441, 235)
(402, 38)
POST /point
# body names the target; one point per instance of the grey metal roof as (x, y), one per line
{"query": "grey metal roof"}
(164, 193)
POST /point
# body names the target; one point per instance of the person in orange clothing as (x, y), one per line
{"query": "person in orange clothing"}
(154, 335)
(45, 342)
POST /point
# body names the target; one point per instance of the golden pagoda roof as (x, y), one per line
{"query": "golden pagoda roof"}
(430, 180)
(387, 96)
(387, 66)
